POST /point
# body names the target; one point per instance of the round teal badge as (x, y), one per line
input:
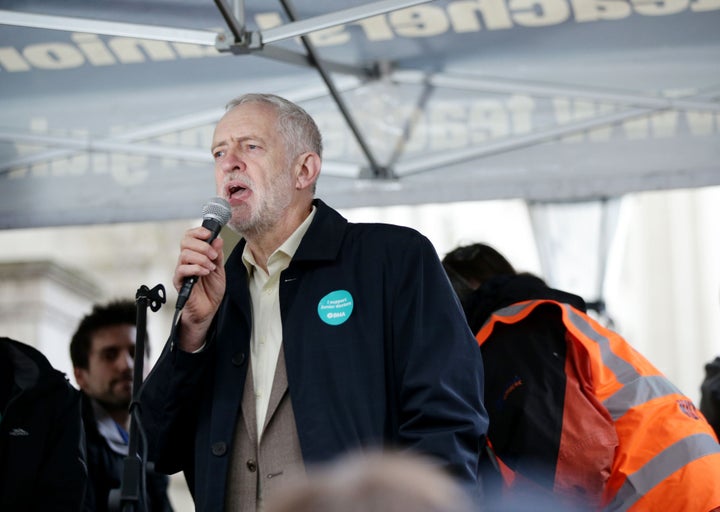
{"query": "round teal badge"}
(336, 307)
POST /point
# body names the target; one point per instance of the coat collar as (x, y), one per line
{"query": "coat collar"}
(321, 242)
(324, 236)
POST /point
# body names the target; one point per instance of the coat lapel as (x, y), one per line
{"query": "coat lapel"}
(279, 387)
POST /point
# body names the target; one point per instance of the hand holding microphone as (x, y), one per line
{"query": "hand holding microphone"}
(216, 213)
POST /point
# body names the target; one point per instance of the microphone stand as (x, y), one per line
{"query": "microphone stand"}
(132, 490)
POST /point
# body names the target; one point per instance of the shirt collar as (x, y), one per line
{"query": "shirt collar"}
(109, 429)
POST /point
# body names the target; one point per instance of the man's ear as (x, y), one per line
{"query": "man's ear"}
(307, 170)
(80, 377)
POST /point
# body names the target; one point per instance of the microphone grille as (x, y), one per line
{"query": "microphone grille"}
(217, 209)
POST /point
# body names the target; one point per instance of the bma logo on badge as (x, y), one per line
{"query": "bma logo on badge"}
(336, 307)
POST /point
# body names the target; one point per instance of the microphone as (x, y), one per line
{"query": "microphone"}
(216, 213)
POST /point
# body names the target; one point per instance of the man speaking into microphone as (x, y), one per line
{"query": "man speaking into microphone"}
(317, 337)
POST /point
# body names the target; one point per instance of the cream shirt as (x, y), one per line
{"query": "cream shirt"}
(266, 335)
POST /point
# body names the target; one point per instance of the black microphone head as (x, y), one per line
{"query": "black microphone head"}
(217, 209)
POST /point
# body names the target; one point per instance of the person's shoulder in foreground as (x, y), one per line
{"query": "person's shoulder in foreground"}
(374, 482)
(42, 458)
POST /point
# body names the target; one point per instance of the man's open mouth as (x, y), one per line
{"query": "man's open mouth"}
(234, 189)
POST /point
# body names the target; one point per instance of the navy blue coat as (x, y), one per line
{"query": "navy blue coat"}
(388, 360)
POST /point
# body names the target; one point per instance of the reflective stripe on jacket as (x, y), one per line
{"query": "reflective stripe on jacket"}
(667, 457)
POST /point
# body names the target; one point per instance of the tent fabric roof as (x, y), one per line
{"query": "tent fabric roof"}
(549, 100)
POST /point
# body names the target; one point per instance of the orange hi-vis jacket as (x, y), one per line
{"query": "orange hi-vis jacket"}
(666, 458)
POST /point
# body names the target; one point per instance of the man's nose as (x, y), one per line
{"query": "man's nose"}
(126, 360)
(233, 160)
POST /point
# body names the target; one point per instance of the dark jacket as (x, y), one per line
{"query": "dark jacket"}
(710, 394)
(401, 368)
(526, 380)
(577, 412)
(42, 460)
(105, 469)
(501, 291)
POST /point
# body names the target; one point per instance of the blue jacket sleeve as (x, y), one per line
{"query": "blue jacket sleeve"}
(169, 401)
(438, 369)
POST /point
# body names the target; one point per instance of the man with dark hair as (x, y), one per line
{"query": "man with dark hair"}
(42, 459)
(102, 352)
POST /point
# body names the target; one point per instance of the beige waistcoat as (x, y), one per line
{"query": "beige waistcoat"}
(256, 469)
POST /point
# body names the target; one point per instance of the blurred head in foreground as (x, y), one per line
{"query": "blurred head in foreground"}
(373, 482)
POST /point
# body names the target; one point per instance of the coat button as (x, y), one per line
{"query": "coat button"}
(252, 465)
(219, 448)
(238, 359)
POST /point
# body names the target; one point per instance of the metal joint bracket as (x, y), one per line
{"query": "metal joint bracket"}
(376, 173)
(248, 43)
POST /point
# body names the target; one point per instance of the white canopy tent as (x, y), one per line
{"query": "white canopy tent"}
(108, 107)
